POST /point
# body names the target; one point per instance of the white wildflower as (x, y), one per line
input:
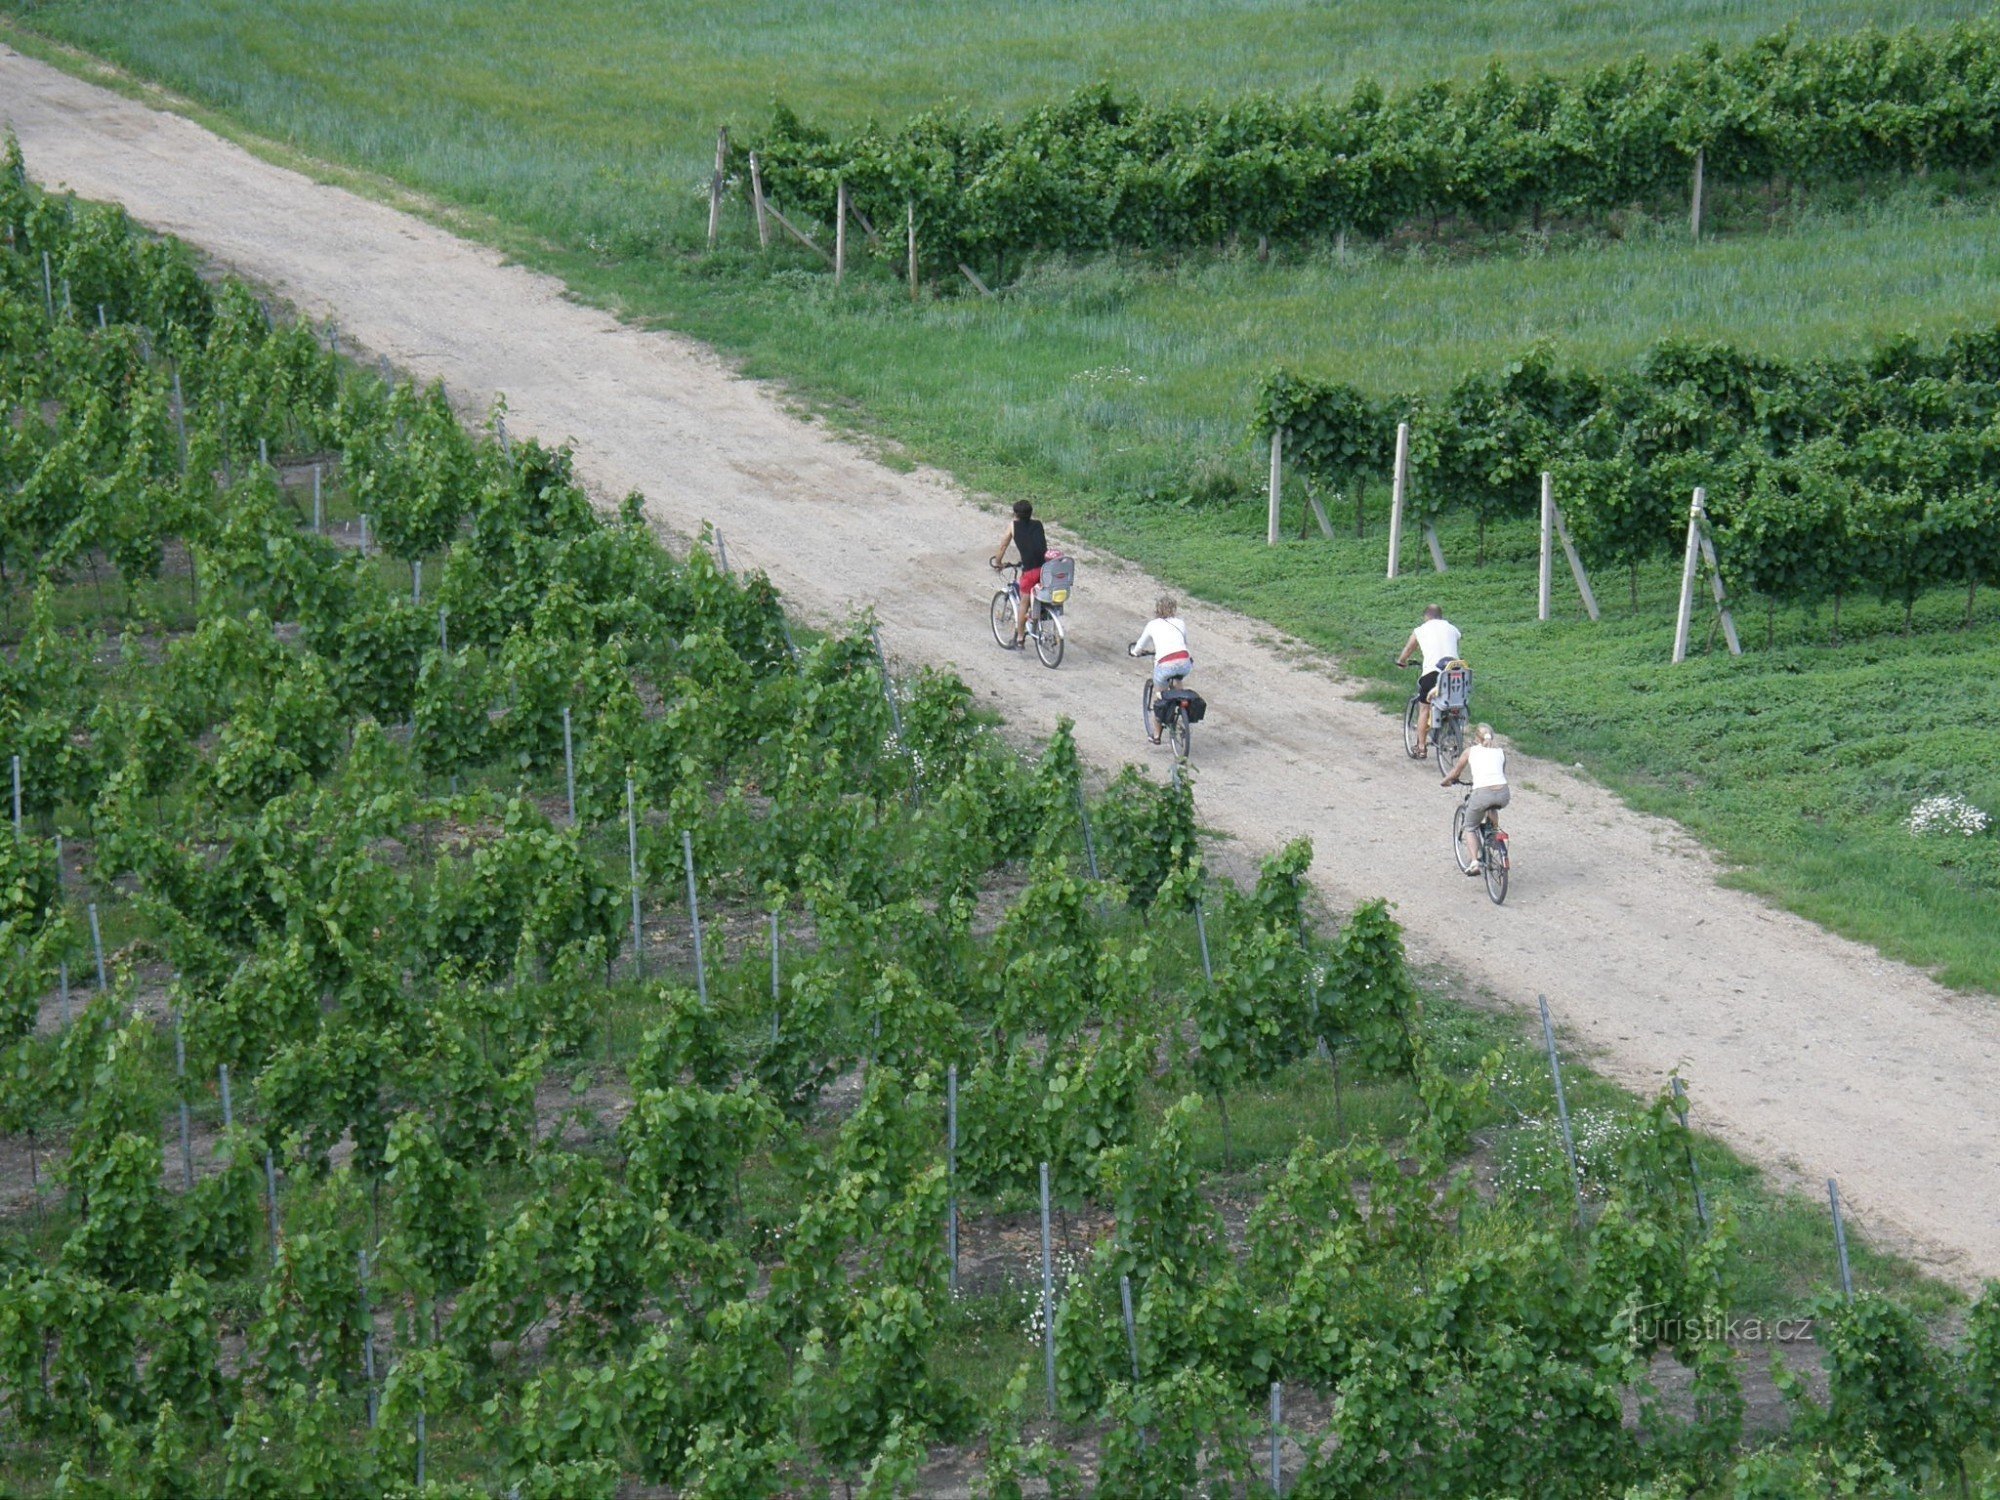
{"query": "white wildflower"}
(1947, 813)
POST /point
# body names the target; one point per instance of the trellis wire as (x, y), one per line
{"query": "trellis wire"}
(1201, 935)
(694, 919)
(1131, 1324)
(777, 1002)
(97, 946)
(888, 686)
(1048, 1296)
(1089, 844)
(180, 419)
(180, 1087)
(271, 1182)
(1687, 1146)
(569, 766)
(951, 1172)
(632, 862)
(1840, 1238)
(1562, 1107)
(1277, 1416)
(367, 1339)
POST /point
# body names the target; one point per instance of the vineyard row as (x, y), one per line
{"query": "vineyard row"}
(1098, 171)
(1824, 477)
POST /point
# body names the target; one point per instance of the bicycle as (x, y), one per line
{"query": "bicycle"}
(1044, 624)
(1176, 729)
(1450, 713)
(1493, 857)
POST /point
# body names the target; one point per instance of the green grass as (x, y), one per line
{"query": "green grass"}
(1113, 389)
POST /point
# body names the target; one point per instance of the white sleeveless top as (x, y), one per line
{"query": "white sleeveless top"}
(1488, 764)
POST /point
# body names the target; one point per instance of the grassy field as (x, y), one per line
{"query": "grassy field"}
(1117, 391)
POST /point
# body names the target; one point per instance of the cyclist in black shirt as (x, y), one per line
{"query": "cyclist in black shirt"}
(1024, 535)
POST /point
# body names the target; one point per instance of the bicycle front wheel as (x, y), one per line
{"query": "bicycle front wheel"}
(1003, 620)
(1458, 839)
(1494, 865)
(1146, 710)
(1412, 746)
(1049, 640)
(1450, 742)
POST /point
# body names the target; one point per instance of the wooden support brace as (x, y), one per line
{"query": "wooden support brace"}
(1437, 552)
(1319, 515)
(1715, 584)
(795, 232)
(860, 218)
(973, 276)
(1576, 565)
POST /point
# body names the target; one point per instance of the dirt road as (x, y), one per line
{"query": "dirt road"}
(1813, 1054)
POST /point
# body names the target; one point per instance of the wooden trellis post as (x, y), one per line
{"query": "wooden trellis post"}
(1694, 212)
(1699, 555)
(1277, 486)
(839, 231)
(757, 203)
(715, 182)
(1398, 496)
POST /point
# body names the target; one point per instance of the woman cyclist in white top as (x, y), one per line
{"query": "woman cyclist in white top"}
(1488, 764)
(1166, 636)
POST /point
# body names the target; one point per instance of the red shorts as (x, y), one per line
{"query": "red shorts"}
(1029, 578)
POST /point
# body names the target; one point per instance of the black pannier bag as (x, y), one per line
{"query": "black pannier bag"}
(1193, 705)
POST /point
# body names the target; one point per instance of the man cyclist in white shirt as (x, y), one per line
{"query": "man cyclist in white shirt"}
(1488, 764)
(1166, 636)
(1434, 642)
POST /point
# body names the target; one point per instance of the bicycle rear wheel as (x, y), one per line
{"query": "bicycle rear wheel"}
(1458, 838)
(1450, 742)
(1180, 733)
(1493, 862)
(1003, 620)
(1049, 640)
(1412, 746)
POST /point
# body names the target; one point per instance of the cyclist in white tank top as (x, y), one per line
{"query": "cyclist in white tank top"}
(1434, 642)
(1488, 764)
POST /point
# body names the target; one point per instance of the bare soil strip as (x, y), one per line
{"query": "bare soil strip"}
(1811, 1053)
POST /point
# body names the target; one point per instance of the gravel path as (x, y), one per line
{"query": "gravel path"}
(1813, 1054)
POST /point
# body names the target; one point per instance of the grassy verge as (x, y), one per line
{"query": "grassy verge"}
(1117, 391)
